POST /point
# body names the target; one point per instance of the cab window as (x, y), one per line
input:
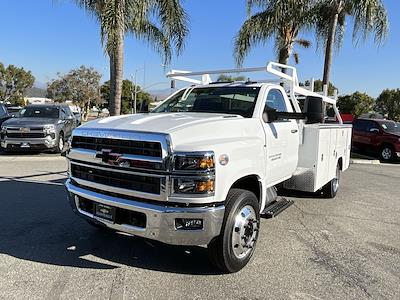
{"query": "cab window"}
(63, 114)
(3, 111)
(360, 125)
(275, 101)
(372, 125)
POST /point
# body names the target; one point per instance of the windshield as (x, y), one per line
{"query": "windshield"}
(224, 100)
(40, 112)
(392, 127)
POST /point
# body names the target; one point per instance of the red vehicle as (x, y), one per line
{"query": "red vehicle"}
(380, 137)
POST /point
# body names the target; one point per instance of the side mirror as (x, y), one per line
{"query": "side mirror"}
(314, 109)
(269, 115)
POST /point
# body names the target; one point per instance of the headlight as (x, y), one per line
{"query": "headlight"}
(194, 161)
(3, 129)
(194, 186)
(49, 129)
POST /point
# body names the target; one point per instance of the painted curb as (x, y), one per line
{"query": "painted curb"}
(12, 158)
(365, 161)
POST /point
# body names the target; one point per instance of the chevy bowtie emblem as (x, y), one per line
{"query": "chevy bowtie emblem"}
(108, 157)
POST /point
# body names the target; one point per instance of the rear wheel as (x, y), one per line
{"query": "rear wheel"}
(387, 153)
(331, 188)
(234, 247)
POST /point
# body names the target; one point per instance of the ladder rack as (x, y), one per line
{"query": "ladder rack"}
(286, 74)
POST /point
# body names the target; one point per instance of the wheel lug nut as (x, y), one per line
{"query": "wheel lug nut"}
(236, 245)
(237, 229)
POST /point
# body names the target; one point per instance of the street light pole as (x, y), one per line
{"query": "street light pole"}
(134, 94)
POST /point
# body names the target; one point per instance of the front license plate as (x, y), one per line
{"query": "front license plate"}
(25, 145)
(105, 211)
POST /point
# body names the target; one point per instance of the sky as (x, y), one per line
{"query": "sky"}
(52, 36)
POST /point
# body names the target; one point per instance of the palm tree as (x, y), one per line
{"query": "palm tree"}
(278, 19)
(369, 17)
(139, 18)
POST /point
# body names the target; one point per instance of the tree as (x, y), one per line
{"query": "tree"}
(228, 78)
(369, 17)
(14, 82)
(81, 85)
(278, 20)
(388, 103)
(355, 104)
(161, 23)
(318, 86)
(142, 98)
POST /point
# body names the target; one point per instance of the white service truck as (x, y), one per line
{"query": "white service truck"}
(203, 166)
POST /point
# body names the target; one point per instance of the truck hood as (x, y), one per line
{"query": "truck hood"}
(29, 122)
(158, 122)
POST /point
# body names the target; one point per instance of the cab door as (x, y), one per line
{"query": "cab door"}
(282, 139)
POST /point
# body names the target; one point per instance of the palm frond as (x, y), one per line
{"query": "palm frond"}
(370, 16)
(255, 30)
(117, 17)
(303, 43)
(173, 21)
(156, 38)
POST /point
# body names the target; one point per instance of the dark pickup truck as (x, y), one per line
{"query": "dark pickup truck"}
(38, 127)
(381, 137)
(4, 115)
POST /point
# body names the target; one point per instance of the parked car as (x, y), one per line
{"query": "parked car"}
(4, 115)
(77, 113)
(38, 127)
(380, 137)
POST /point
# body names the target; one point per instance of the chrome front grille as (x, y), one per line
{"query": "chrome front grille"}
(131, 147)
(120, 162)
(25, 132)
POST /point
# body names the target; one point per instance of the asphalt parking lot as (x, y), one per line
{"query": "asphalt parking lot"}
(345, 248)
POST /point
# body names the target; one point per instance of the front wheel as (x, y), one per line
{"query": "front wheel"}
(234, 247)
(60, 143)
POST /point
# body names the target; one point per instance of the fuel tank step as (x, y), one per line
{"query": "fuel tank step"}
(276, 207)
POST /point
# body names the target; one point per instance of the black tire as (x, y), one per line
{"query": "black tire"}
(222, 251)
(332, 187)
(57, 149)
(387, 153)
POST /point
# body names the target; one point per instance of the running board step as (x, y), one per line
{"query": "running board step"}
(276, 207)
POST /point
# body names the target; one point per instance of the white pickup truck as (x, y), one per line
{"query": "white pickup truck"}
(203, 166)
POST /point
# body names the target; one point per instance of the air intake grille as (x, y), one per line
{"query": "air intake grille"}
(128, 181)
(152, 149)
(26, 135)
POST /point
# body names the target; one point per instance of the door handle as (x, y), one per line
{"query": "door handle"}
(293, 130)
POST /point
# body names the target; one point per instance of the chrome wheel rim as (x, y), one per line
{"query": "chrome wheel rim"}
(386, 153)
(244, 232)
(61, 143)
(336, 180)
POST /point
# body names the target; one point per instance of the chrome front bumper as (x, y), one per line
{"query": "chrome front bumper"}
(160, 219)
(46, 142)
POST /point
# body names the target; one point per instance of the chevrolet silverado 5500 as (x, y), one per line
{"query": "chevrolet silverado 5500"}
(203, 166)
